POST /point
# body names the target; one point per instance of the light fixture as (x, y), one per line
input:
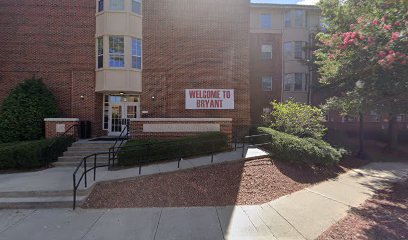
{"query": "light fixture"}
(121, 93)
(82, 97)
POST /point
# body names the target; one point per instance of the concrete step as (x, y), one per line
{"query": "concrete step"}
(40, 202)
(88, 148)
(79, 158)
(39, 194)
(85, 153)
(90, 144)
(75, 164)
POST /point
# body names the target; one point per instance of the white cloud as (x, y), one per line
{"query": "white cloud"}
(308, 2)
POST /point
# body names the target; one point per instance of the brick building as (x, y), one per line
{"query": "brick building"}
(203, 63)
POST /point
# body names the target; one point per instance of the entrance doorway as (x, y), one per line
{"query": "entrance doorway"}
(121, 109)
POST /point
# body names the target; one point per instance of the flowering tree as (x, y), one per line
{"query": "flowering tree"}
(366, 61)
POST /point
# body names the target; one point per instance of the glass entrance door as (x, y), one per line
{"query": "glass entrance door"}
(120, 113)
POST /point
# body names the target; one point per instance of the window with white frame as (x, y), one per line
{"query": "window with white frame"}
(100, 52)
(294, 50)
(266, 50)
(295, 82)
(137, 6)
(295, 18)
(100, 5)
(116, 51)
(401, 118)
(117, 5)
(266, 21)
(299, 18)
(267, 83)
(298, 50)
(136, 53)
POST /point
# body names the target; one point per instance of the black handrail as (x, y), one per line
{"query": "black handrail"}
(83, 163)
(179, 156)
(121, 138)
(246, 140)
(84, 173)
(49, 147)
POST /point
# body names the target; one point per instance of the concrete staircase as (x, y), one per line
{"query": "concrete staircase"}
(80, 149)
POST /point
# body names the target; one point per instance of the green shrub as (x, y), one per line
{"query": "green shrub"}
(288, 147)
(145, 151)
(23, 111)
(298, 119)
(32, 154)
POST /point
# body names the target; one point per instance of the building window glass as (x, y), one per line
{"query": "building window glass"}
(116, 51)
(300, 18)
(267, 83)
(295, 82)
(137, 53)
(266, 51)
(288, 19)
(100, 5)
(100, 52)
(266, 21)
(288, 50)
(106, 112)
(137, 7)
(117, 5)
(298, 50)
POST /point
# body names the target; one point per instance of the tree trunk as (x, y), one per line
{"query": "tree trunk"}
(361, 154)
(392, 133)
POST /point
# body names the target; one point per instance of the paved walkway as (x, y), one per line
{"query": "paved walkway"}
(302, 215)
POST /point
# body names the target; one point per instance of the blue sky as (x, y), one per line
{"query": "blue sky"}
(307, 2)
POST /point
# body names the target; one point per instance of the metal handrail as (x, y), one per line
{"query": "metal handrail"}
(251, 137)
(47, 163)
(112, 153)
(85, 172)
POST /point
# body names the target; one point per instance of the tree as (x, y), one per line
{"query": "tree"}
(369, 48)
(23, 111)
(297, 119)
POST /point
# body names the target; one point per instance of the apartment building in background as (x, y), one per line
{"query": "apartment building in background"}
(280, 37)
(160, 63)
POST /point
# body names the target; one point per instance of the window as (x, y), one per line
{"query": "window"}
(137, 7)
(136, 53)
(266, 21)
(267, 83)
(288, 50)
(293, 50)
(295, 82)
(266, 110)
(100, 52)
(117, 5)
(288, 19)
(100, 5)
(298, 50)
(266, 51)
(300, 18)
(295, 18)
(105, 112)
(116, 51)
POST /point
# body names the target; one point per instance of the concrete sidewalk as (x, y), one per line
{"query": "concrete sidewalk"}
(302, 215)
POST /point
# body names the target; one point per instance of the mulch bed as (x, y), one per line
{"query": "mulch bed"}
(244, 182)
(383, 217)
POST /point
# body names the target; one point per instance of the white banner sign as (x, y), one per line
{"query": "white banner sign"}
(209, 98)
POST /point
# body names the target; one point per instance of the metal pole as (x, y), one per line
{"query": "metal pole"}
(86, 182)
(212, 152)
(74, 180)
(94, 167)
(113, 159)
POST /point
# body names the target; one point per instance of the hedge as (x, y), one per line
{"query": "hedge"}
(137, 152)
(288, 147)
(32, 154)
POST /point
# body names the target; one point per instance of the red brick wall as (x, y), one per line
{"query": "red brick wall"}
(264, 67)
(136, 129)
(54, 40)
(195, 44)
(50, 128)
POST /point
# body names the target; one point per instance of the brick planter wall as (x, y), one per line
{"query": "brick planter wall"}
(166, 128)
(55, 127)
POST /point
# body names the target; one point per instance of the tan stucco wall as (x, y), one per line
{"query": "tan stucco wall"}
(118, 23)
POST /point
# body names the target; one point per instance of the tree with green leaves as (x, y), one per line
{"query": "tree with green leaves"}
(23, 111)
(363, 55)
